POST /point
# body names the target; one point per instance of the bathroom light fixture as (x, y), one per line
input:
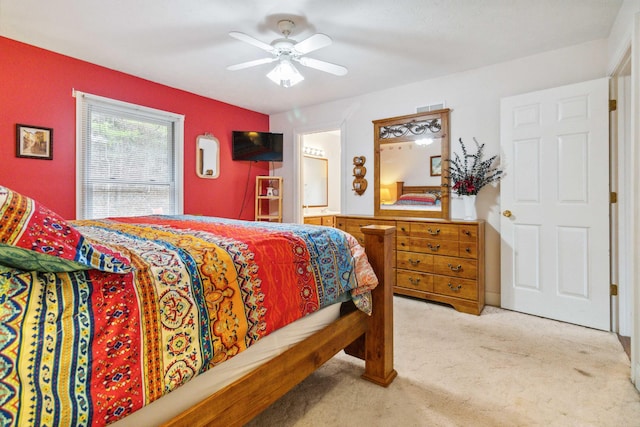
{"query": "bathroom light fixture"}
(312, 151)
(423, 142)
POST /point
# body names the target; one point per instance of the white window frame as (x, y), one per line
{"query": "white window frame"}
(178, 147)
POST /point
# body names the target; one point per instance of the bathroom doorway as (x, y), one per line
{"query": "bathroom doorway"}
(320, 173)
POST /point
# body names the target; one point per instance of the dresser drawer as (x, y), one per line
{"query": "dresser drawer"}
(429, 230)
(414, 280)
(430, 246)
(414, 261)
(468, 233)
(329, 221)
(353, 225)
(361, 222)
(468, 249)
(313, 220)
(452, 286)
(403, 228)
(457, 267)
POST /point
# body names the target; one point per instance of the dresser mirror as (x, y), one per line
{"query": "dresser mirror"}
(410, 163)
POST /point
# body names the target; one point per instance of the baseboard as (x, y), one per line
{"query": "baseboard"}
(492, 298)
(626, 344)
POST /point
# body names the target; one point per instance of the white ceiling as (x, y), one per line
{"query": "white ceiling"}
(384, 43)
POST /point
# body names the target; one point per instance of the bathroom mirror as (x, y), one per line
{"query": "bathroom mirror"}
(410, 163)
(316, 182)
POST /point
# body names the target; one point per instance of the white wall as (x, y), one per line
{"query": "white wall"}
(620, 36)
(474, 98)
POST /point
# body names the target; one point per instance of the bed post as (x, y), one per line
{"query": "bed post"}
(399, 189)
(378, 243)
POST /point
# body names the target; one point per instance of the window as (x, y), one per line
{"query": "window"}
(129, 159)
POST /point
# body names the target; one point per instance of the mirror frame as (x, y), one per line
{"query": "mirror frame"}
(380, 128)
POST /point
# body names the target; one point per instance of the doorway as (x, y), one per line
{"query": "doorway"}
(555, 225)
(324, 146)
(622, 242)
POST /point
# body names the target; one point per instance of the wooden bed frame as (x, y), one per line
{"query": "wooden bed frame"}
(367, 337)
(408, 189)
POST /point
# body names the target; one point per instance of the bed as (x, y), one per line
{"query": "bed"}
(81, 301)
(416, 197)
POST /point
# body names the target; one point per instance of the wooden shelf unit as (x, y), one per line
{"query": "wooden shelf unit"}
(269, 202)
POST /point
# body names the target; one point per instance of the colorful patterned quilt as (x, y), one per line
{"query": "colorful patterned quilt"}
(148, 303)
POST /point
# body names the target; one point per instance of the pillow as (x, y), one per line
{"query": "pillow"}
(435, 193)
(34, 238)
(416, 199)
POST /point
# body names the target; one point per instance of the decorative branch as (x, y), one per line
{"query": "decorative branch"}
(469, 173)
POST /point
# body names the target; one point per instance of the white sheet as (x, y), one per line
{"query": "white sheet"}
(214, 379)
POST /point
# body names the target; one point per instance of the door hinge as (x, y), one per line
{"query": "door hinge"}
(613, 105)
(613, 197)
(614, 289)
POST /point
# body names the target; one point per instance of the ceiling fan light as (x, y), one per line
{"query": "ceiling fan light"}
(285, 74)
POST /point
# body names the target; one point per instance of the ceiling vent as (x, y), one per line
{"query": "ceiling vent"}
(432, 107)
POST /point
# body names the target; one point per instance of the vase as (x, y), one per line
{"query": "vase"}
(470, 207)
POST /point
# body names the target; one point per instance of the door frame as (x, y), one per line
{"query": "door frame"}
(621, 212)
(298, 138)
(634, 191)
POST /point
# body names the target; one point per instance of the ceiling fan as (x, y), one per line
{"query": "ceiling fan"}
(285, 51)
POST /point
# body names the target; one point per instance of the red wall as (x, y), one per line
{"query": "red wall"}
(36, 89)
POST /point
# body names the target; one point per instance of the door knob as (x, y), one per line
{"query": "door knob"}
(507, 213)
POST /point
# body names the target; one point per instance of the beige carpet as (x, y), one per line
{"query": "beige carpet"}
(499, 369)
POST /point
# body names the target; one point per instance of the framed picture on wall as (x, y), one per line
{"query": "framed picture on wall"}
(436, 165)
(34, 142)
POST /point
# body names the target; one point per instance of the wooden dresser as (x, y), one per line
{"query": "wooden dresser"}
(435, 259)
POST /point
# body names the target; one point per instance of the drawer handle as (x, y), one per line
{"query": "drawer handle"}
(433, 248)
(454, 288)
(468, 250)
(414, 261)
(403, 229)
(457, 268)
(414, 281)
(433, 233)
(467, 232)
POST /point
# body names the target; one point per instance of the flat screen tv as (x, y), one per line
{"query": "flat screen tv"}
(257, 146)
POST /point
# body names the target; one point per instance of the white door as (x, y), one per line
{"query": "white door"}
(554, 200)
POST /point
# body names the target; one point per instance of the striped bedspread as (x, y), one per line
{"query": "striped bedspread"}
(89, 347)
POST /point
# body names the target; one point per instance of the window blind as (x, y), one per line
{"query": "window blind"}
(129, 159)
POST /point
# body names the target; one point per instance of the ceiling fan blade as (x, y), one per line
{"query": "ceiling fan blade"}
(253, 41)
(250, 64)
(328, 67)
(312, 43)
